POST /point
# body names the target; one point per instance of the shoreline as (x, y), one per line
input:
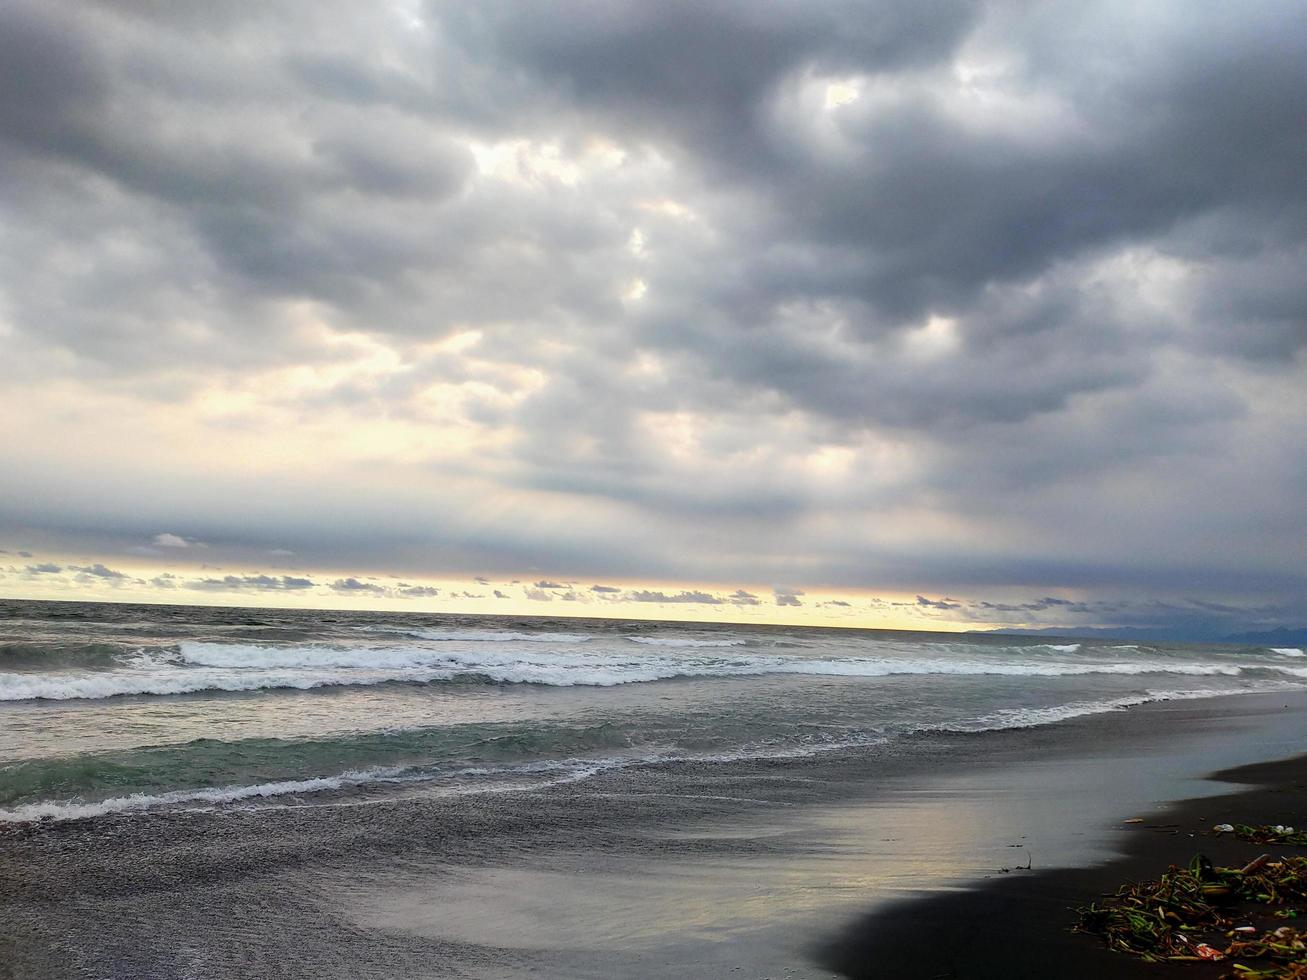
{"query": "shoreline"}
(1019, 925)
(695, 869)
(327, 788)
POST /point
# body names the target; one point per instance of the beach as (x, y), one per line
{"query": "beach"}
(1016, 925)
(849, 863)
(656, 490)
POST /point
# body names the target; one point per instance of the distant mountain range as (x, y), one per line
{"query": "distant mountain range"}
(1281, 636)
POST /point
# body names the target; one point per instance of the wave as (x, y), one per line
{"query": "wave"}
(69, 687)
(574, 769)
(201, 667)
(499, 636)
(210, 795)
(1288, 651)
(684, 642)
(555, 772)
(35, 655)
(1011, 718)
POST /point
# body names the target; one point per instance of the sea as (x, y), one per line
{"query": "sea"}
(114, 709)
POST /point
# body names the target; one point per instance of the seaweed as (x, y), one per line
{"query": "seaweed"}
(1189, 915)
(1264, 833)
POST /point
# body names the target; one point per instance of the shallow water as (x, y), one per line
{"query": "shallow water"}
(116, 708)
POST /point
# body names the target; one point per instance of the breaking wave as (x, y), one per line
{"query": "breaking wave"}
(197, 666)
(499, 636)
(209, 795)
(570, 769)
(684, 642)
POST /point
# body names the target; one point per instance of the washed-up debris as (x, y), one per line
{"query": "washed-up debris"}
(1191, 915)
(1265, 834)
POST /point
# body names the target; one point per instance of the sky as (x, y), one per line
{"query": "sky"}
(932, 314)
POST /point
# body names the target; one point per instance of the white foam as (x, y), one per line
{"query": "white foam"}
(576, 769)
(500, 636)
(1288, 651)
(1007, 718)
(1059, 647)
(210, 795)
(248, 667)
(684, 642)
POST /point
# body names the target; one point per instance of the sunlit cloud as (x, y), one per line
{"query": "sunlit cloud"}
(678, 303)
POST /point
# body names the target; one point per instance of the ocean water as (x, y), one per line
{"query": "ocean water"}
(122, 709)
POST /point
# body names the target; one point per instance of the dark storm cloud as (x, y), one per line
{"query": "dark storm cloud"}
(700, 73)
(922, 206)
(1030, 275)
(1191, 618)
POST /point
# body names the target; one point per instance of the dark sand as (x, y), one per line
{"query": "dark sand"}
(782, 869)
(1018, 926)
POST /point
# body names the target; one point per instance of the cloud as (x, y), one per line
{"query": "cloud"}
(45, 568)
(645, 595)
(420, 591)
(605, 589)
(937, 297)
(787, 596)
(241, 583)
(742, 598)
(98, 570)
(544, 584)
(352, 584)
(938, 603)
(500, 595)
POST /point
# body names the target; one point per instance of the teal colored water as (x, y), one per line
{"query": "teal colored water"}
(117, 708)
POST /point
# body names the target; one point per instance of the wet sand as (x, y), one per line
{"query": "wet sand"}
(1018, 926)
(819, 867)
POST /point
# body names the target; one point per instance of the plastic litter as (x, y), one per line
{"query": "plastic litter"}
(1264, 834)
